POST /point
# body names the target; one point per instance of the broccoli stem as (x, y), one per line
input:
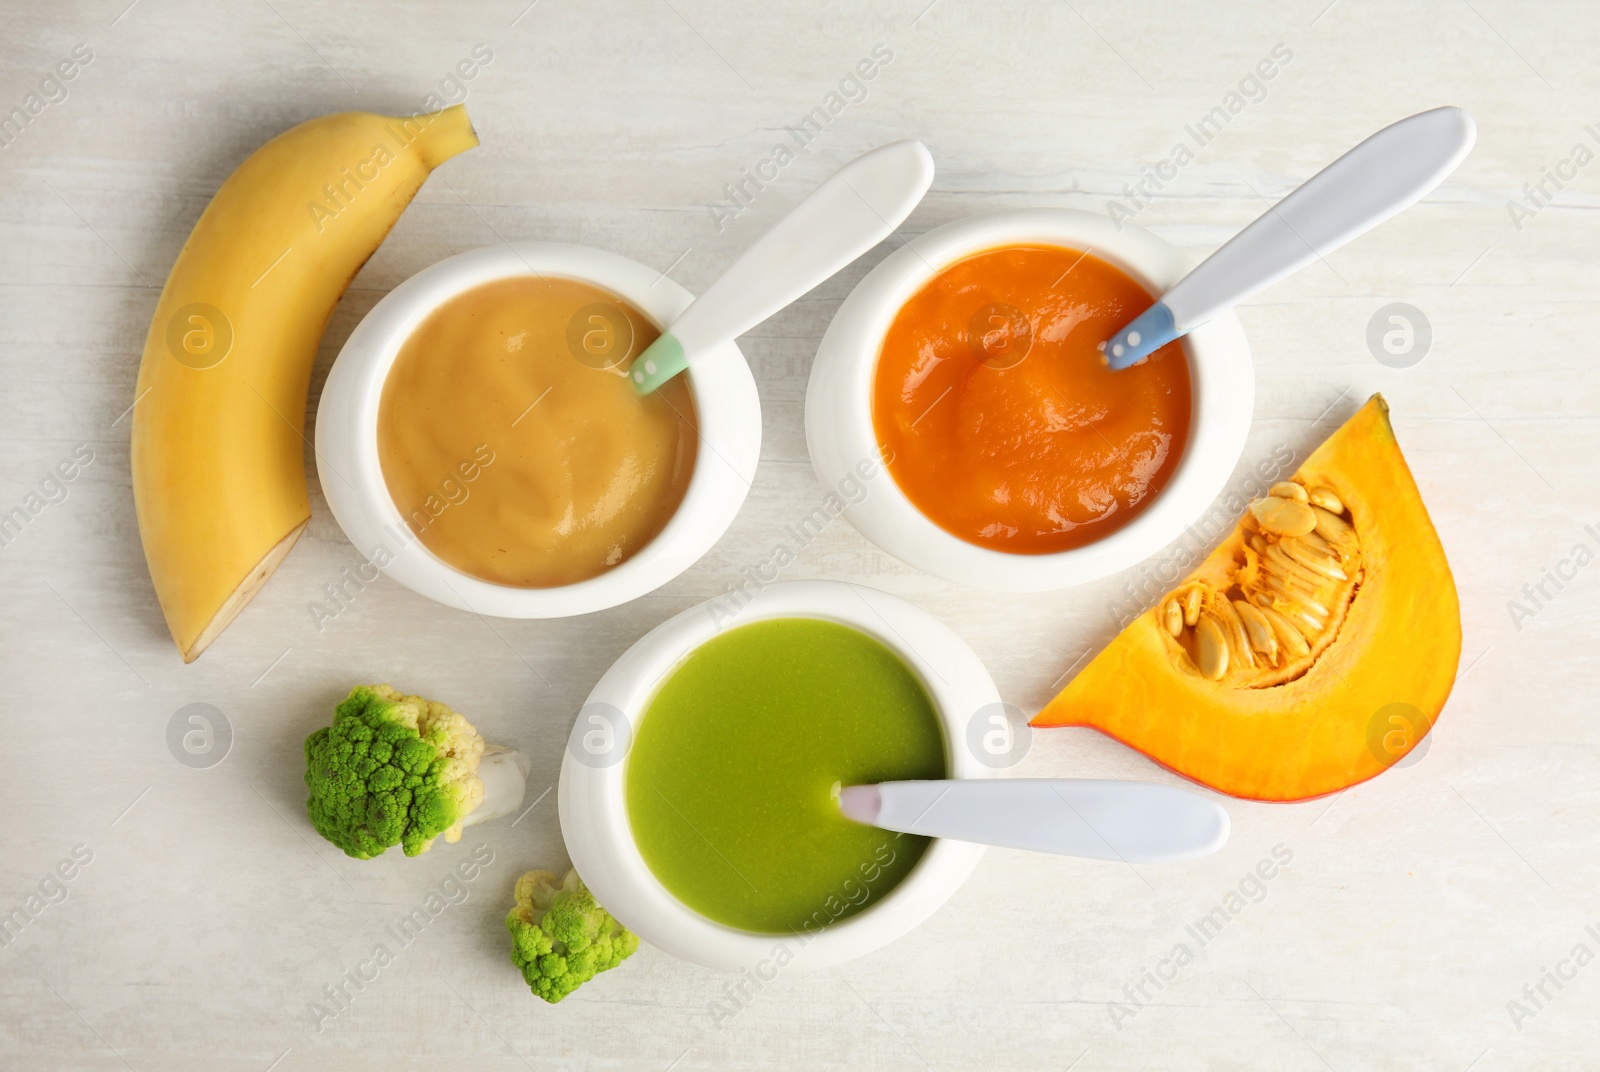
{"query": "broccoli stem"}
(504, 773)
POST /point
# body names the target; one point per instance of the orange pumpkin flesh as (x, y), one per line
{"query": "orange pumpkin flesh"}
(1295, 724)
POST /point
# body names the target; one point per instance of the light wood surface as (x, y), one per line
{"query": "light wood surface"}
(1414, 908)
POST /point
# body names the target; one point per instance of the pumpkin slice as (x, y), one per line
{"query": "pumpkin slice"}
(1310, 651)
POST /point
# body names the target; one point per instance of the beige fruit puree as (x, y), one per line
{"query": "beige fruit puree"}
(513, 444)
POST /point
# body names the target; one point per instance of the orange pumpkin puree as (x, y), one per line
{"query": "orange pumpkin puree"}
(997, 416)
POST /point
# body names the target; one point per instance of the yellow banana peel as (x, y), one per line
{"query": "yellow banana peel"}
(219, 415)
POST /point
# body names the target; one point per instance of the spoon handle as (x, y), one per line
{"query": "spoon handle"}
(1134, 822)
(855, 209)
(1386, 173)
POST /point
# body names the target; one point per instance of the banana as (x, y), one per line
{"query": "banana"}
(219, 410)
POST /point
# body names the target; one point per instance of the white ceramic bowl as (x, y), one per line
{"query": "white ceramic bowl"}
(594, 818)
(347, 436)
(840, 435)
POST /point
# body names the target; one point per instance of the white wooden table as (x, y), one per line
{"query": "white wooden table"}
(1412, 910)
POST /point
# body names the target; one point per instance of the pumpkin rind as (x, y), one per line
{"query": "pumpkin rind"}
(1398, 643)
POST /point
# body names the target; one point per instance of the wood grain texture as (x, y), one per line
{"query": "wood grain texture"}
(1414, 908)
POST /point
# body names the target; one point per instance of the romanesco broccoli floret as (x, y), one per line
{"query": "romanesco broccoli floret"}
(392, 770)
(561, 937)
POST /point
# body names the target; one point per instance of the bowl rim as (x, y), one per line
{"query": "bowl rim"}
(592, 798)
(728, 412)
(840, 431)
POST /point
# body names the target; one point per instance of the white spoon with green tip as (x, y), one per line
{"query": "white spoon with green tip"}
(854, 210)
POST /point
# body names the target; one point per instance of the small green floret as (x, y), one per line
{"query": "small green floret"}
(391, 770)
(561, 937)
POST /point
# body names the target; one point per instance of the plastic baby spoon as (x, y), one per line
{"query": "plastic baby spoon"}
(1135, 822)
(854, 210)
(1388, 172)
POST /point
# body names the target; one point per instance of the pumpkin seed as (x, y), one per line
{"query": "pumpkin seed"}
(1280, 561)
(1191, 605)
(1331, 527)
(1293, 603)
(1303, 620)
(1288, 489)
(1258, 629)
(1233, 629)
(1172, 616)
(1211, 650)
(1324, 564)
(1284, 517)
(1318, 544)
(1325, 498)
(1276, 577)
(1287, 635)
(1345, 555)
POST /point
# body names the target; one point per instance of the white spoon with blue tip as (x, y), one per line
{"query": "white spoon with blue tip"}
(855, 209)
(1134, 822)
(1388, 172)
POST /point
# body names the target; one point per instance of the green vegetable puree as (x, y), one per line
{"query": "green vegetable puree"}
(730, 778)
